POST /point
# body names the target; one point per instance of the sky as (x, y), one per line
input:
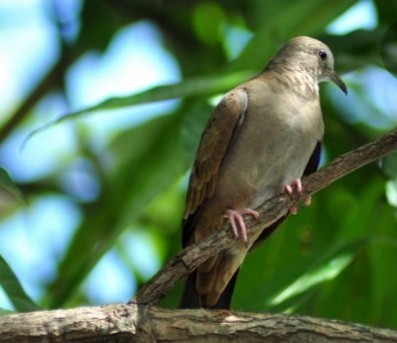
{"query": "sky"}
(25, 24)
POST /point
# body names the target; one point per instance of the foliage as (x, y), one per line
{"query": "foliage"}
(334, 259)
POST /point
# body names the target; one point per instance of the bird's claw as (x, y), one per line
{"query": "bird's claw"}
(295, 189)
(237, 221)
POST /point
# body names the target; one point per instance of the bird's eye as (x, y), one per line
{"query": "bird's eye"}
(323, 55)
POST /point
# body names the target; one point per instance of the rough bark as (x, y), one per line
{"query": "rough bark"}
(142, 323)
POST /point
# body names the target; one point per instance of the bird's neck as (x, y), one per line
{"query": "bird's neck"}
(297, 76)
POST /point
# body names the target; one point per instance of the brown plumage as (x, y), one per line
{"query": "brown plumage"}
(263, 135)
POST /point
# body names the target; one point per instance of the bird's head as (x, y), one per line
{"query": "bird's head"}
(312, 56)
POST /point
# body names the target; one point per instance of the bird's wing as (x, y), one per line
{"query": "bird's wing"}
(217, 138)
(314, 160)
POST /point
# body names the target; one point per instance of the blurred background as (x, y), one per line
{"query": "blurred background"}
(91, 206)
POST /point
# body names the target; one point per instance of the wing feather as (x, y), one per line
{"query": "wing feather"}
(217, 138)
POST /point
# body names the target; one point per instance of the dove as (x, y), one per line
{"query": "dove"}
(261, 139)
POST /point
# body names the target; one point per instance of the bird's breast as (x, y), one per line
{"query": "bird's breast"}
(273, 147)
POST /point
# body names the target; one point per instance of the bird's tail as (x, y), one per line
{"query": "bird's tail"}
(191, 298)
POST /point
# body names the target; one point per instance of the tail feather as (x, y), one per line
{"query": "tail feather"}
(191, 298)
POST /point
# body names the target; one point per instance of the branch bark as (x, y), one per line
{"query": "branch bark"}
(141, 323)
(191, 257)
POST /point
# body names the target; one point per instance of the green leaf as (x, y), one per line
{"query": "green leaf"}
(200, 86)
(14, 290)
(322, 273)
(327, 269)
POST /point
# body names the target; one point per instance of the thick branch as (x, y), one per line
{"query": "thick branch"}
(133, 323)
(270, 211)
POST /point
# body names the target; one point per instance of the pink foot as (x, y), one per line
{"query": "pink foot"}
(295, 189)
(237, 221)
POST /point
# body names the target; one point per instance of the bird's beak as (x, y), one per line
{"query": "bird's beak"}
(338, 81)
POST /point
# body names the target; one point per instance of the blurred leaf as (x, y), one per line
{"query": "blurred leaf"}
(4, 312)
(356, 50)
(312, 278)
(382, 258)
(326, 270)
(95, 32)
(14, 290)
(208, 16)
(386, 11)
(391, 192)
(149, 163)
(8, 184)
(389, 165)
(200, 86)
(285, 21)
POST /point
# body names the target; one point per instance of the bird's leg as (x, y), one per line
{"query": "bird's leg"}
(237, 221)
(295, 189)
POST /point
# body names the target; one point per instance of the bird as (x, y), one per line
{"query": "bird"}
(261, 139)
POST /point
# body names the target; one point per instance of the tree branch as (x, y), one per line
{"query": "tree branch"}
(191, 257)
(140, 323)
